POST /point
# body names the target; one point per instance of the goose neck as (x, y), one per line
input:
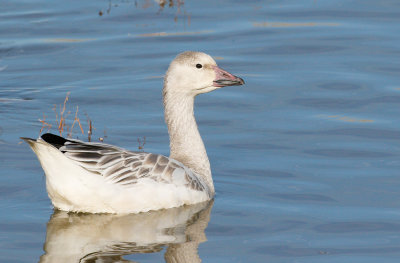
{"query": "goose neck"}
(186, 145)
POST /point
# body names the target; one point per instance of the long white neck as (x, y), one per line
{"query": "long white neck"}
(186, 144)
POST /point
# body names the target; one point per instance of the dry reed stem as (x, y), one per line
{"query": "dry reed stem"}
(44, 124)
(76, 119)
(62, 123)
(55, 111)
(61, 120)
(141, 143)
(90, 130)
(104, 136)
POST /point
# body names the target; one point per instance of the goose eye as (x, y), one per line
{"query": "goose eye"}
(199, 66)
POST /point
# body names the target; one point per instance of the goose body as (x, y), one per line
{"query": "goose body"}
(101, 178)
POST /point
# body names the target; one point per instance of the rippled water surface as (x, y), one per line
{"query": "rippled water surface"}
(305, 156)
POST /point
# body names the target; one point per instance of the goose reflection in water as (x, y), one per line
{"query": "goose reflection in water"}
(73, 237)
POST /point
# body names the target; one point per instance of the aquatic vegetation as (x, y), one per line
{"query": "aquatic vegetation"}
(64, 124)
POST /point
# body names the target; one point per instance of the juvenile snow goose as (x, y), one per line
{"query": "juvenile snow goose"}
(101, 178)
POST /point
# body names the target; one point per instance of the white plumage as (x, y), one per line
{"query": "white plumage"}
(101, 178)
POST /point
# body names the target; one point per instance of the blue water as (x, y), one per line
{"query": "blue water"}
(305, 156)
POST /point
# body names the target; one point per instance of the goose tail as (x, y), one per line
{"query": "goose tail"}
(30, 141)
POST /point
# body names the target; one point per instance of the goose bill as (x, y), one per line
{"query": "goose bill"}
(224, 78)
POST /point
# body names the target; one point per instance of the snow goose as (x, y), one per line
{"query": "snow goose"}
(101, 178)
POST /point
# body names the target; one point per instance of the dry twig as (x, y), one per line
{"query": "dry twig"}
(141, 143)
(61, 120)
(44, 124)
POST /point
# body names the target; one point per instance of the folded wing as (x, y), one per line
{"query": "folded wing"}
(126, 168)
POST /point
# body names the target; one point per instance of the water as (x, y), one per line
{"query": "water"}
(305, 156)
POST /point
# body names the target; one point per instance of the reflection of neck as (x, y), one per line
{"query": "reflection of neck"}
(186, 144)
(195, 234)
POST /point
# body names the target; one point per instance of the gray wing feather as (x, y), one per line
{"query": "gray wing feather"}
(123, 167)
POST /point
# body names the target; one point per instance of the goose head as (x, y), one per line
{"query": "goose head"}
(192, 73)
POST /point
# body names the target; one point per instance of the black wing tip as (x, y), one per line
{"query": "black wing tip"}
(53, 139)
